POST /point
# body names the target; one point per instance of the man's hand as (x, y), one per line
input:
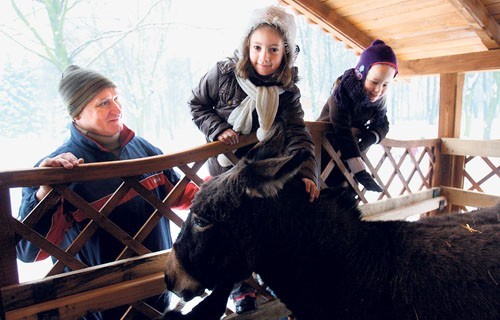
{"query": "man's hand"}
(66, 160)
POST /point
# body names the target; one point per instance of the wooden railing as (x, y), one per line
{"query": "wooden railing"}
(404, 169)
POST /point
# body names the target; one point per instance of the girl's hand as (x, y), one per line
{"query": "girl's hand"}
(312, 189)
(229, 136)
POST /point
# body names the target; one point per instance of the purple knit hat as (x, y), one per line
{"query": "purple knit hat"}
(377, 52)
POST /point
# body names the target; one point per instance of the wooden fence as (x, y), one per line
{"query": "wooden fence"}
(407, 170)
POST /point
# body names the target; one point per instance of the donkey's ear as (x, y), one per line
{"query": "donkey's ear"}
(265, 178)
(272, 146)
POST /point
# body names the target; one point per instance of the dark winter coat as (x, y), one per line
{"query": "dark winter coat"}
(218, 94)
(352, 115)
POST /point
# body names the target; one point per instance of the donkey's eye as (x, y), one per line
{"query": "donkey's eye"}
(201, 222)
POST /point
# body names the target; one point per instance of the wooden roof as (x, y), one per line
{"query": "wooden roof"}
(428, 36)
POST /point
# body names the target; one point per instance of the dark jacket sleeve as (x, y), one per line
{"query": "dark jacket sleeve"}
(341, 119)
(56, 223)
(298, 136)
(379, 122)
(203, 104)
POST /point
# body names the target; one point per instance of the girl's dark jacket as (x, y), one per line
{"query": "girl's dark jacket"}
(218, 94)
(352, 115)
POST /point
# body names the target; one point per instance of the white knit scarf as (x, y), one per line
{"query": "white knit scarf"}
(264, 99)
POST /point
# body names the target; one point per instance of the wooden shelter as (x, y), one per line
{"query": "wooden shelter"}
(428, 36)
(445, 37)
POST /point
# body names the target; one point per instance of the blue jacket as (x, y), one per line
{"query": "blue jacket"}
(64, 225)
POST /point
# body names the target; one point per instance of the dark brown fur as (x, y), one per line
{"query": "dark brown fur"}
(323, 262)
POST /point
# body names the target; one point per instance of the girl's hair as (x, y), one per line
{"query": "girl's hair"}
(283, 75)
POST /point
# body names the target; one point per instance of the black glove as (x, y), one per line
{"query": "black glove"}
(367, 181)
(366, 140)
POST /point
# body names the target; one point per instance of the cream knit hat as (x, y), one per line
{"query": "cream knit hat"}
(275, 16)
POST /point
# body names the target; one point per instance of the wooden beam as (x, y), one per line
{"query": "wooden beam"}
(81, 282)
(461, 147)
(402, 207)
(476, 61)
(413, 209)
(332, 22)
(112, 169)
(450, 106)
(73, 307)
(450, 112)
(8, 265)
(467, 198)
(476, 14)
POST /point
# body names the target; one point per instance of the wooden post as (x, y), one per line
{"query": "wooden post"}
(8, 265)
(451, 169)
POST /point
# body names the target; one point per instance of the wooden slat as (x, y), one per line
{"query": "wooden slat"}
(455, 46)
(399, 12)
(394, 21)
(155, 217)
(44, 244)
(478, 16)
(462, 147)
(328, 19)
(477, 61)
(415, 29)
(443, 51)
(91, 227)
(426, 27)
(465, 198)
(48, 202)
(77, 282)
(103, 222)
(102, 170)
(376, 209)
(428, 143)
(347, 8)
(430, 36)
(100, 299)
(8, 266)
(407, 211)
(191, 172)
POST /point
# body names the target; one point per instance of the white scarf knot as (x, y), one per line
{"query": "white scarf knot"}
(264, 99)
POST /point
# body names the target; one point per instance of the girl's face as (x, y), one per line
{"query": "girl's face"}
(267, 49)
(377, 81)
(103, 114)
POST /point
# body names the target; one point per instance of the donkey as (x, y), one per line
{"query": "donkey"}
(321, 259)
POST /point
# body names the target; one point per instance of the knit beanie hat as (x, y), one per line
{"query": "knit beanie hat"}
(377, 53)
(277, 17)
(79, 86)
